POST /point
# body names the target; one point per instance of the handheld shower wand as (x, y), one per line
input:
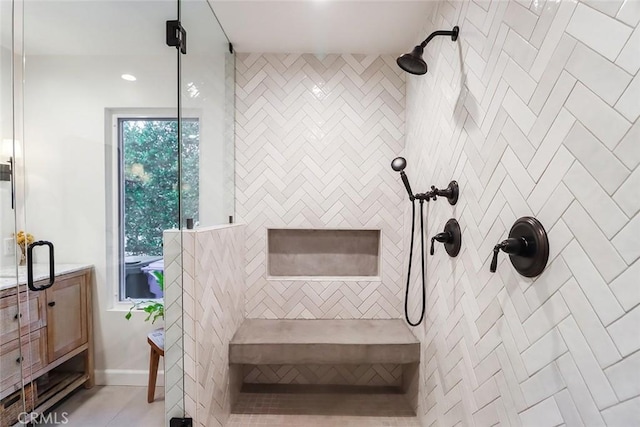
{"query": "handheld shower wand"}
(451, 194)
(398, 164)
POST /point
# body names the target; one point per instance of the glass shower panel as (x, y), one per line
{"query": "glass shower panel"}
(207, 94)
(206, 82)
(97, 119)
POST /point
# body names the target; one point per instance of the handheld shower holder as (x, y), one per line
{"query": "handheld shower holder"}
(450, 193)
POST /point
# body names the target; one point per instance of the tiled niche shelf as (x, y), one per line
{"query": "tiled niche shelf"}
(323, 254)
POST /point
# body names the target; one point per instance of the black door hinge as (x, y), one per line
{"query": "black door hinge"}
(181, 422)
(177, 36)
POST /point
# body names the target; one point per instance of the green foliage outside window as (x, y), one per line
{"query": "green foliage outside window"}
(150, 187)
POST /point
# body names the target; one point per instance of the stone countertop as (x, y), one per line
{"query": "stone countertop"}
(40, 272)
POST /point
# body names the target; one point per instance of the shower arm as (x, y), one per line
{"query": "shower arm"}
(453, 34)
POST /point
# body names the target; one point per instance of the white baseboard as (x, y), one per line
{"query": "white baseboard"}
(130, 377)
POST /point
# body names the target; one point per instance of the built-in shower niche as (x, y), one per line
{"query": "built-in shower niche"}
(322, 254)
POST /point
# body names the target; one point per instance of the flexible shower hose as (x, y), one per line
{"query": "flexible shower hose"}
(406, 295)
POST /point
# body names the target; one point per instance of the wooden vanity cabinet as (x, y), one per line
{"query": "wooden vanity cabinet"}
(66, 316)
(54, 344)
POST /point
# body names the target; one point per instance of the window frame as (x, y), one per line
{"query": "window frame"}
(114, 189)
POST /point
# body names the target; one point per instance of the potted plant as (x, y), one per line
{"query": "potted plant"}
(153, 308)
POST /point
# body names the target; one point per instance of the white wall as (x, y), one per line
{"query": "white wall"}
(535, 112)
(65, 101)
(66, 157)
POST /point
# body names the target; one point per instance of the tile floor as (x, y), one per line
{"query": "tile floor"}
(112, 406)
(322, 410)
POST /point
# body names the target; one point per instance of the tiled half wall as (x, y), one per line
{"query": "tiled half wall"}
(535, 112)
(213, 301)
(314, 140)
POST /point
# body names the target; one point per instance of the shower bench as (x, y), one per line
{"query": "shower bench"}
(326, 364)
(323, 341)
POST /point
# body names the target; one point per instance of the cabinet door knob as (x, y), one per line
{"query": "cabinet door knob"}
(19, 359)
(17, 316)
(51, 304)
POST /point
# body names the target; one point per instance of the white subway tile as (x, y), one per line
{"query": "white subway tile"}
(624, 376)
(596, 158)
(545, 413)
(552, 38)
(592, 284)
(626, 288)
(552, 107)
(628, 196)
(628, 151)
(601, 120)
(546, 317)
(486, 393)
(579, 391)
(596, 335)
(629, 13)
(555, 206)
(606, 214)
(629, 59)
(568, 409)
(610, 7)
(542, 384)
(546, 10)
(604, 34)
(626, 332)
(519, 112)
(606, 79)
(519, 80)
(629, 102)
(553, 174)
(520, 50)
(517, 172)
(517, 141)
(552, 278)
(626, 242)
(624, 414)
(587, 364)
(520, 19)
(550, 144)
(544, 351)
(553, 70)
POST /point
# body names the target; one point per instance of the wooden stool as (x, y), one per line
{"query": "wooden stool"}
(156, 341)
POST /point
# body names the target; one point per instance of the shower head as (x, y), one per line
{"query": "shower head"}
(398, 164)
(413, 63)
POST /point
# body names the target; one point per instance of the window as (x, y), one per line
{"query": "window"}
(149, 199)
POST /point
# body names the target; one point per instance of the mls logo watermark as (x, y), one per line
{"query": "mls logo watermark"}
(52, 418)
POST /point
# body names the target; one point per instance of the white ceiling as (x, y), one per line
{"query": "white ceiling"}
(323, 26)
(126, 27)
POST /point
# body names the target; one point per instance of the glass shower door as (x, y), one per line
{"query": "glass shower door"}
(78, 71)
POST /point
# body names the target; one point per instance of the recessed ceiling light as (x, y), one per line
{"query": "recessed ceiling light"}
(129, 77)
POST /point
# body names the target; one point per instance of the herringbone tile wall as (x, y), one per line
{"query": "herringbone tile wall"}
(368, 375)
(213, 290)
(314, 137)
(535, 112)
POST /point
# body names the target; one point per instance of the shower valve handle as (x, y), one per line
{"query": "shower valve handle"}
(444, 237)
(512, 246)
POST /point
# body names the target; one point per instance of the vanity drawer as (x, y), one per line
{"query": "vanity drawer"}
(32, 320)
(33, 352)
